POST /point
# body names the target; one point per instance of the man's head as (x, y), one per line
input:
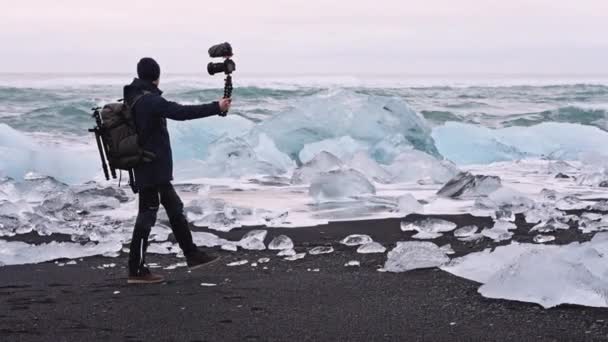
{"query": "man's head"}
(148, 70)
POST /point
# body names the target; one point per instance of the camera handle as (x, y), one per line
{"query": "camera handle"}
(227, 90)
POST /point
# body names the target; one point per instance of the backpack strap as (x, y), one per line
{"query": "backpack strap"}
(137, 98)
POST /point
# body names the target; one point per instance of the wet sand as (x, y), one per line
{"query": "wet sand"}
(313, 299)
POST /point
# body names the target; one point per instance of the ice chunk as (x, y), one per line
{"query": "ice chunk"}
(592, 216)
(600, 206)
(343, 147)
(549, 278)
(414, 166)
(231, 247)
(208, 284)
(280, 242)
(571, 203)
(500, 231)
(467, 185)
(596, 179)
(505, 213)
(370, 248)
(549, 226)
(369, 167)
(356, 240)
(429, 228)
(505, 197)
(412, 255)
(426, 235)
(560, 166)
(321, 250)
(390, 147)
(238, 263)
(340, 184)
(542, 213)
(235, 157)
(587, 226)
(254, 240)
(465, 231)
(352, 263)
(295, 257)
(176, 265)
(322, 163)
(548, 195)
(35, 188)
(208, 240)
(163, 248)
(447, 249)
(223, 221)
(287, 252)
(543, 238)
(18, 253)
(277, 220)
(409, 204)
(263, 260)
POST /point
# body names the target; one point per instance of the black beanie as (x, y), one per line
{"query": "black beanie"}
(148, 69)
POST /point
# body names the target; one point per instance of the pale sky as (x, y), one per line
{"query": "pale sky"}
(305, 36)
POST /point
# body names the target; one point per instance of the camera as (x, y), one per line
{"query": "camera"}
(226, 67)
(221, 50)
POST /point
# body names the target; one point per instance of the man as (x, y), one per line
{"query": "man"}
(153, 179)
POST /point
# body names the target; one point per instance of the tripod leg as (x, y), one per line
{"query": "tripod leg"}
(132, 183)
(104, 166)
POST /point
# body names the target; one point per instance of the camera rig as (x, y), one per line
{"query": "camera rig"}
(223, 50)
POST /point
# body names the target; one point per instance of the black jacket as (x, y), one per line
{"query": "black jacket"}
(151, 113)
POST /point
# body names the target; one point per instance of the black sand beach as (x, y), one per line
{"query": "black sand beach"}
(313, 299)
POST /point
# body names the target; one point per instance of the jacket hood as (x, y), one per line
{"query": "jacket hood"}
(138, 86)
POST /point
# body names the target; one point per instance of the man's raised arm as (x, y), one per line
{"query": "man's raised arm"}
(176, 111)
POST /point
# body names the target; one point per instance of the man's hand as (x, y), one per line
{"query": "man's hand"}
(225, 104)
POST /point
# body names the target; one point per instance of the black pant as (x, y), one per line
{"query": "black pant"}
(146, 219)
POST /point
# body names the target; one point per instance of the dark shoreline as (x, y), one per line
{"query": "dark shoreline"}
(289, 301)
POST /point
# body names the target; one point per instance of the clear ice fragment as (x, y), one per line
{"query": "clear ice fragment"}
(280, 242)
(321, 250)
(412, 255)
(356, 240)
(371, 248)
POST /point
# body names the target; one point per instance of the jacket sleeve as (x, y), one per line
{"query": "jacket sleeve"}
(176, 111)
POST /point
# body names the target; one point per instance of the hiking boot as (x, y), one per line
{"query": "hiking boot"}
(199, 259)
(144, 276)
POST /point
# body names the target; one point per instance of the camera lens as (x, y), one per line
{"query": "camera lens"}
(214, 68)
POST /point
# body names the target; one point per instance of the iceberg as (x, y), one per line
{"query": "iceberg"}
(457, 142)
(368, 119)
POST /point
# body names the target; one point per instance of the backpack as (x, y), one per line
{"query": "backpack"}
(123, 148)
